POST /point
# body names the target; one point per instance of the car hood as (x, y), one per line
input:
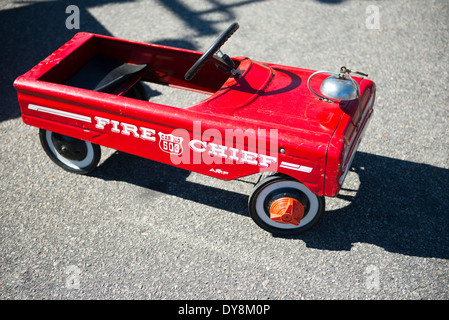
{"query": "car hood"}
(277, 96)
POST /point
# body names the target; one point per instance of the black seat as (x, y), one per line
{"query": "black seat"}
(104, 74)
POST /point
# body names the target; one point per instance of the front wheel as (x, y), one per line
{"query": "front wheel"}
(73, 155)
(284, 206)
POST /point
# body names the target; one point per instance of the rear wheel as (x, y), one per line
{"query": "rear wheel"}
(71, 154)
(284, 206)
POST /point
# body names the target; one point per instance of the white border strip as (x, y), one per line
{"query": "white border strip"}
(296, 167)
(354, 151)
(60, 113)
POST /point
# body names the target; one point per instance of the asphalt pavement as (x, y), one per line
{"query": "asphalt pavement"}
(137, 229)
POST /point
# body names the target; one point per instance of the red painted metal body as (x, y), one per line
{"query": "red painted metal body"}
(266, 119)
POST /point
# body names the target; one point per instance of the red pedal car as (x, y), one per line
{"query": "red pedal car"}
(299, 128)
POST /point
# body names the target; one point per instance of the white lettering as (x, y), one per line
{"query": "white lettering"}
(101, 122)
(126, 128)
(249, 157)
(242, 309)
(233, 155)
(204, 152)
(147, 134)
(115, 126)
(73, 20)
(129, 128)
(221, 150)
(195, 148)
(266, 161)
(206, 311)
(372, 21)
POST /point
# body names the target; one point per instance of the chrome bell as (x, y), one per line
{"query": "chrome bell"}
(338, 86)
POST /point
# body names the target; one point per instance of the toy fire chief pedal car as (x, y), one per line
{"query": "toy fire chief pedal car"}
(299, 128)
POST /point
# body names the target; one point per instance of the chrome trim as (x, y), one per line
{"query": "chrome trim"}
(359, 137)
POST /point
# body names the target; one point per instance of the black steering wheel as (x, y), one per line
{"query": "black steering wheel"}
(223, 61)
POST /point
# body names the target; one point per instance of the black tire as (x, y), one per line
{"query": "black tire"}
(73, 155)
(274, 187)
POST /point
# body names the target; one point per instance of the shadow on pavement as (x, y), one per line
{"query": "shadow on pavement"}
(159, 177)
(199, 20)
(33, 31)
(400, 206)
